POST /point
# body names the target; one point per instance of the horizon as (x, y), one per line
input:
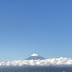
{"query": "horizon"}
(35, 55)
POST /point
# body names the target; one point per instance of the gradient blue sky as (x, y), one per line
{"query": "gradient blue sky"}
(35, 26)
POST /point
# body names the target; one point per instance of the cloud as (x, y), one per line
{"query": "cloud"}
(45, 62)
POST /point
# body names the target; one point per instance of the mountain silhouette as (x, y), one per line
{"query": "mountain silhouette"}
(35, 57)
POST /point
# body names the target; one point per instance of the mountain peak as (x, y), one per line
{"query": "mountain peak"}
(34, 55)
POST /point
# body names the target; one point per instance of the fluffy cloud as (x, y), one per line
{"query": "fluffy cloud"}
(45, 62)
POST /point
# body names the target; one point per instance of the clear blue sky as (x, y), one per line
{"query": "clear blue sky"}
(35, 26)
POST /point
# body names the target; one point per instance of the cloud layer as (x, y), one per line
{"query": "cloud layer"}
(45, 62)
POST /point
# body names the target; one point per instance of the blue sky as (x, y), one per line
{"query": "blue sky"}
(35, 26)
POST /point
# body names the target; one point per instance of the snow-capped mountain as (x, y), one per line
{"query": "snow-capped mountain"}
(35, 57)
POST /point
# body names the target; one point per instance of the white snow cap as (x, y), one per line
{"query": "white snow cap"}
(34, 55)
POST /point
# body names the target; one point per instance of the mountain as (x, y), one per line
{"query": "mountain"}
(35, 57)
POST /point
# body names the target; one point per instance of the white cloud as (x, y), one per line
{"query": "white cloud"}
(45, 62)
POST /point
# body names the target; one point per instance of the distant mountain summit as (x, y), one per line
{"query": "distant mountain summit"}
(35, 57)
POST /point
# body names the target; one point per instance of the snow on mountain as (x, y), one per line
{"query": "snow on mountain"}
(35, 57)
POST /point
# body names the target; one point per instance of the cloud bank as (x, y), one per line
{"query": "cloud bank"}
(45, 62)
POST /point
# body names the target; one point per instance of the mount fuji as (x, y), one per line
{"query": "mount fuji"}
(35, 57)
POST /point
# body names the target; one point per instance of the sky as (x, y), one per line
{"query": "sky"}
(35, 26)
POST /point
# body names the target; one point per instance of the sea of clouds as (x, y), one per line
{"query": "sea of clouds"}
(45, 62)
